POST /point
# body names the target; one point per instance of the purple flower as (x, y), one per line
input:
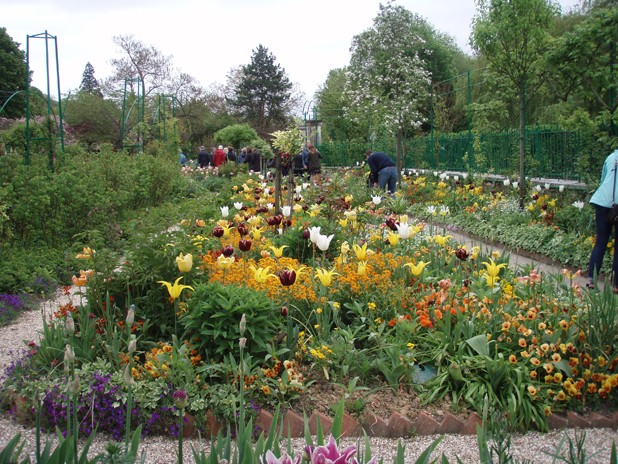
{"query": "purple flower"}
(181, 400)
(284, 459)
(329, 454)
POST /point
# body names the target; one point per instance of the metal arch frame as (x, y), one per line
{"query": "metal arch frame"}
(47, 37)
(140, 100)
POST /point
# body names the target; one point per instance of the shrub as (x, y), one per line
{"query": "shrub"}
(213, 316)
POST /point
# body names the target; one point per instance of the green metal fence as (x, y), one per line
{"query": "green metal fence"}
(549, 153)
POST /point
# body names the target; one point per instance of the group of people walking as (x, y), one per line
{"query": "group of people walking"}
(220, 155)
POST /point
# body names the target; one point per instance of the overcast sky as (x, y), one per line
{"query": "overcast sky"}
(207, 38)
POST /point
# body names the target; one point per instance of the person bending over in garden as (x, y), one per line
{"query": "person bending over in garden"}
(602, 200)
(383, 170)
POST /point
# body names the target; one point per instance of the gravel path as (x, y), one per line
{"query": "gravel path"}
(533, 447)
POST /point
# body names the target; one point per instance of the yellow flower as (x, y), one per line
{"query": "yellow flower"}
(278, 252)
(256, 232)
(403, 218)
(343, 223)
(255, 220)
(361, 252)
(362, 268)
(393, 238)
(417, 268)
(225, 263)
(441, 239)
(86, 253)
(371, 305)
(297, 208)
(491, 280)
(345, 248)
(326, 277)
(176, 289)
(348, 198)
(184, 262)
(261, 274)
(493, 269)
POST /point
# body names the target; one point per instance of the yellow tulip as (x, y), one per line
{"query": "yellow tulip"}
(297, 208)
(225, 263)
(417, 268)
(176, 289)
(184, 262)
(491, 280)
(362, 268)
(343, 223)
(441, 239)
(393, 238)
(348, 198)
(493, 269)
(255, 220)
(256, 232)
(345, 248)
(278, 252)
(326, 277)
(261, 274)
(361, 252)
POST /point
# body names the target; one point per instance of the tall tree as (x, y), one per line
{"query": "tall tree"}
(13, 76)
(584, 63)
(387, 79)
(89, 82)
(143, 62)
(261, 92)
(513, 35)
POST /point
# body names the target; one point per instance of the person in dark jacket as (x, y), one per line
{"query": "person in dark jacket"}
(231, 156)
(383, 170)
(202, 157)
(254, 159)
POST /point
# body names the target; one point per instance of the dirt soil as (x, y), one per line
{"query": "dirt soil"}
(381, 401)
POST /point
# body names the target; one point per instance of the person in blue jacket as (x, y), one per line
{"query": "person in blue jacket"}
(602, 200)
(383, 170)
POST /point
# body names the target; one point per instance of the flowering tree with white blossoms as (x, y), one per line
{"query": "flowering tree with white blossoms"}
(387, 80)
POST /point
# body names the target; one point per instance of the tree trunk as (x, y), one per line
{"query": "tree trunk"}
(400, 155)
(522, 144)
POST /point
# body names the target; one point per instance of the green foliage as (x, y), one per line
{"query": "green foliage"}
(237, 135)
(12, 77)
(212, 316)
(288, 141)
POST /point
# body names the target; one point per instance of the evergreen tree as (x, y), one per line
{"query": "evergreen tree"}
(262, 92)
(13, 74)
(89, 82)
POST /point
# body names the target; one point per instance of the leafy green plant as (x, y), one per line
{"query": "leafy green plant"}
(212, 314)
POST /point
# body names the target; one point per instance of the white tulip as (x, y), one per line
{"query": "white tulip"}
(506, 182)
(286, 211)
(313, 233)
(377, 199)
(238, 205)
(561, 188)
(404, 230)
(324, 241)
(225, 211)
(579, 205)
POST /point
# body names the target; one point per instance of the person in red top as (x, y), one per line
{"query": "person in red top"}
(219, 156)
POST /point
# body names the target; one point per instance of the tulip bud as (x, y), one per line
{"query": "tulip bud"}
(218, 232)
(127, 375)
(130, 316)
(242, 342)
(244, 245)
(132, 346)
(73, 386)
(243, 229)
(243, 324)
(306, 234)
(69, 325)
(284, 311)
(462, 254)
